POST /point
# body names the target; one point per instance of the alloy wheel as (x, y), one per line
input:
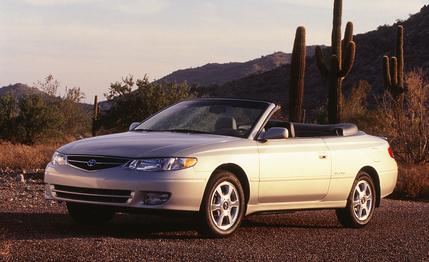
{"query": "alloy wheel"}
(224, 205)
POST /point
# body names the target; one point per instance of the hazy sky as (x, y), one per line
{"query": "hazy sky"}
(90, 43)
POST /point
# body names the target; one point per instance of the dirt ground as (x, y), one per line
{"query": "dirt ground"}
(32, 228)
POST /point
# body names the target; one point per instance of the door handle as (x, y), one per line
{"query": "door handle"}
(323, 156)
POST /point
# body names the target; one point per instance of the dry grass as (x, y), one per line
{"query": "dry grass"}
(15, 157)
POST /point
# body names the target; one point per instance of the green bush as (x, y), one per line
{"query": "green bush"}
(36, 121)
(8, 112)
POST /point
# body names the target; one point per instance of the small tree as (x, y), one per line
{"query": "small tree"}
(8, 113)
(37, 121)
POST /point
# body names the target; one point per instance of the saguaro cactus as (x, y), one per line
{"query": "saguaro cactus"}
(95, 116)
(335, 68)
(297, 73)
(393, 67)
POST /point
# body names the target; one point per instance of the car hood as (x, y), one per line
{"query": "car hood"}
(141, 144)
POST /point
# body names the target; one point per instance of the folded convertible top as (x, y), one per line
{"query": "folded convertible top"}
(309, 130)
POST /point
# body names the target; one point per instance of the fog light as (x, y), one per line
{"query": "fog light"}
(155, 198)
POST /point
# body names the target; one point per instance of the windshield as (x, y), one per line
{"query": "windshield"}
(218, 117)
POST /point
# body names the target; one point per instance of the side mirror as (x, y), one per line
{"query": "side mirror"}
(275, 133)
(133, 125)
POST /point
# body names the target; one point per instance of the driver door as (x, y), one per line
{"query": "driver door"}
(293, 170)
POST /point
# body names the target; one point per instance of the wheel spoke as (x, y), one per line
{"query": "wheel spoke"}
(360, 211)
(219, 220)
(235, 203)
(365, 187)
(219, 192)
(215, 207)
(356, 203)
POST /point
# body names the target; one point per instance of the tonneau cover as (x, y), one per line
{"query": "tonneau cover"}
(309, 130)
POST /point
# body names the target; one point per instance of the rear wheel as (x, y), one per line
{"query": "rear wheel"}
(89, 215)
(223, 205)
(360, 204)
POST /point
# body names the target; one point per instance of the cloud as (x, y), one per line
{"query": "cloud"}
(55, 2)
(135, 7)
(361, 5)
(131, 7)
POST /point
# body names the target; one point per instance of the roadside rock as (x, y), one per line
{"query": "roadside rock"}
(20, 178)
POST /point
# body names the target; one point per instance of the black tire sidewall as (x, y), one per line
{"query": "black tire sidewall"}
(209, 228)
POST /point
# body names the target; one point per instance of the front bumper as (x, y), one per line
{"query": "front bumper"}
(122, 187)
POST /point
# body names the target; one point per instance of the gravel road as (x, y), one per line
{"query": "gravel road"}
(34, 229)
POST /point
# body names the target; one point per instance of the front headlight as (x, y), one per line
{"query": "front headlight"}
(59, 159)
(162, 164)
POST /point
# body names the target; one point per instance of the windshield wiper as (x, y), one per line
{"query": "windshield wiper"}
(173, 130)
(148, 130)
(187, 131)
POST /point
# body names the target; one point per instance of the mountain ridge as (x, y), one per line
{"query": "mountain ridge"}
(220, 73)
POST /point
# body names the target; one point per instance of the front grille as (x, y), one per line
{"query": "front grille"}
(91, 163)
(92, 194)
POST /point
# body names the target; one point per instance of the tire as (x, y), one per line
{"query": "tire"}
(90, 215)
(360, 203)
(223, 206)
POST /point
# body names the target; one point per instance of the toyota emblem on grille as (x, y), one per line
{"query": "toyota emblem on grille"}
(91, 163)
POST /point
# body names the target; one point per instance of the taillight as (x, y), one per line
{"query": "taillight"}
(391, 152)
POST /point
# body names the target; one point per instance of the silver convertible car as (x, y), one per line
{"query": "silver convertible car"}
(223, 159)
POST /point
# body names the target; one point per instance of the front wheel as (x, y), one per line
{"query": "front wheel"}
(223, 205)
(360, 204)
(89, 215)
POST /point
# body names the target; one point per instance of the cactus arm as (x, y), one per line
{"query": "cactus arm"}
(348, 37)
(386, 72)
(349, 59)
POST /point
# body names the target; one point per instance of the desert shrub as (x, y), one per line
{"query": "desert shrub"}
(413, 181)
(77, 119)
(403, 120)
(130, 105)
(37, 121)
(406, 124)
(8, 112)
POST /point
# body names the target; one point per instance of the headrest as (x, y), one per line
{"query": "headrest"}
(226, 123)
